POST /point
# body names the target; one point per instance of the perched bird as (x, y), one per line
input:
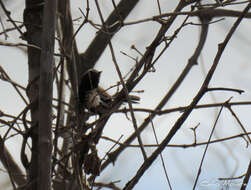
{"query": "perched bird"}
(88, 95)
(92, 96)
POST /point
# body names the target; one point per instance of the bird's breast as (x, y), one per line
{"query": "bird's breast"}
(93, 99)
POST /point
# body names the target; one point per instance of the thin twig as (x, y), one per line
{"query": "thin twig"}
(238, 120)
(247, 176)
(153, 45)
(161, 157)
(204, 153)
(226, 89)
(9, 17)
(179, 145)
(184, 116)
(182, 108)
(10, 29)
(24, 45)
(124, 87)
(14, 84)
(92, 54)
(214, 13)
(85, 20)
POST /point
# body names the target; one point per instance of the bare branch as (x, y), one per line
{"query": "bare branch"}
(205, 151)
(183, 117)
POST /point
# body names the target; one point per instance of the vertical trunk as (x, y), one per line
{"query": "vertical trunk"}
(45, 95)
(33, 22)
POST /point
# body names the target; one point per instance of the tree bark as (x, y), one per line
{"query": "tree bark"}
(45, 95)
(33, 22)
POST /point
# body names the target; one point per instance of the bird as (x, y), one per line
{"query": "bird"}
(88, 85)
(92, 96)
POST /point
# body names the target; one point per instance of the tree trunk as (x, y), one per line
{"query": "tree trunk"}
(33, 15)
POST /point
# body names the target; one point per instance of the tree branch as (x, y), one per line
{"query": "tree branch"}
(100, 42)
(45, 95)
(184, 116)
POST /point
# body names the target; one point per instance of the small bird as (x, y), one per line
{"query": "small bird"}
(92, 96)
(88, 95)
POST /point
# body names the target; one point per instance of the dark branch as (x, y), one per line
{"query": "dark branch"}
(100, 42)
